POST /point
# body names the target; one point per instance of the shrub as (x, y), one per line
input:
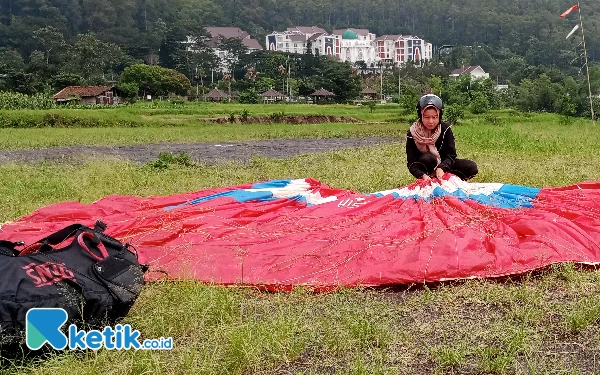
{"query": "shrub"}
(453, 113)
(566, 120)
(167, 160)
(371, 105)
(176, 102)
(249, 97)
(277, 116)
(244, 115)
(492, 120)
(15, 100)
(55, 120)
(568, 109)
(480, 103)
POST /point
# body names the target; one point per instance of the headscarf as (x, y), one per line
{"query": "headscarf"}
(425, 138)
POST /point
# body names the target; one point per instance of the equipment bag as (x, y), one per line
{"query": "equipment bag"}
(91, 275)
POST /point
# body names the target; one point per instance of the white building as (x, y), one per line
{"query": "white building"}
(474, 71)
(400, 49)
(355, 45)
(351, 45)
(217, 34)
(294, 39)
(323, 44)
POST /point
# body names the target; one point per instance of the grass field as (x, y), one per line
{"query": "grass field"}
(541, 323)
(163, 114)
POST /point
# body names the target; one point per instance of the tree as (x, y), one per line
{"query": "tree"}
(306, 86)
(130, 91)
(25, 83)
(38, 67)
(457, 91)
(11, 61)
(435, 84)
(156, 80)
(49, 38)
(91, 58)
(197, 58)
(308, 47)
(249, 96)
(341, 79)
(480, 103)
(539, 94)
(62, 80)
(234, 48)
(173, 82)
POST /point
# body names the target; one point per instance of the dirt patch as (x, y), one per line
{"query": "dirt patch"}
(209, 153)
(282, 119)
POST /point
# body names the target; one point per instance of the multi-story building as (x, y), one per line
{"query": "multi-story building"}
(323, 44)
(353, 45)
(400, 49)
(295, 39)
(218, 34)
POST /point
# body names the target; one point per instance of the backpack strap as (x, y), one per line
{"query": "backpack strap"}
(55, 238)
(67, 232)
(8, 248)
(95, 235)
(58, 237)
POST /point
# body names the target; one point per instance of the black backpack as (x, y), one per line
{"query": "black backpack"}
(91, 275)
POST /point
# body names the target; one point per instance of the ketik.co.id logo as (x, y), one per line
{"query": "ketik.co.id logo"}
(48, 273)
(43, 325)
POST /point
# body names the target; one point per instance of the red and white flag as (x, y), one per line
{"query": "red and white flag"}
(572, 31)
(569, 11)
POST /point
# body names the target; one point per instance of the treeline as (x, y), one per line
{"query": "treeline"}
(46, 45)
(544, 90)
(141, 24)
(506, 28)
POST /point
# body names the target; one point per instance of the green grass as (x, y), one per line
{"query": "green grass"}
(161, 123)
(164, 114)
(15, 139)
(541, 323)
(445, 330)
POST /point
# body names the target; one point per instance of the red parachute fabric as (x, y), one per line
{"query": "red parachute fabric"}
(281, 234)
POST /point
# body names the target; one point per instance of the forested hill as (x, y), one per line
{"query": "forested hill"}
(529, 28)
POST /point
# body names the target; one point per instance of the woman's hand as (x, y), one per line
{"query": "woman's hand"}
(425, 177)
(439, 173)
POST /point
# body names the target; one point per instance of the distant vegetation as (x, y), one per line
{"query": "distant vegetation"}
(49, 45)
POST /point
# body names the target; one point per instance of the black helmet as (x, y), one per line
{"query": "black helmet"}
(430, 100)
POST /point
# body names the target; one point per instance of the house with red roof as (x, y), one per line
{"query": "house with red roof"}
(475, 71)
(106, 95)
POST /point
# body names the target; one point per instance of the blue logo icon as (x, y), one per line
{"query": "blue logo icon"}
(43, 326)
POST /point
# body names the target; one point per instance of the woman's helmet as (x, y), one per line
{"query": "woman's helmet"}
(427, 101)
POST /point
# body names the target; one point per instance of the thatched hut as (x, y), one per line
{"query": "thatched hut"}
(272, 96)
(322, 95)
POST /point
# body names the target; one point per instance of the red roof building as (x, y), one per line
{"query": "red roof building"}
(217, 34)
(474, 71)
(106, 95)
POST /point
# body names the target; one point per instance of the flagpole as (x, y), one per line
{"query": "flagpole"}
(587, 68)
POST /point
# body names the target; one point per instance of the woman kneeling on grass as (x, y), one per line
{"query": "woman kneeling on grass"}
(430, 150)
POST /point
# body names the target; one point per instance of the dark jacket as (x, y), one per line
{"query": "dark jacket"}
(444, 144)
